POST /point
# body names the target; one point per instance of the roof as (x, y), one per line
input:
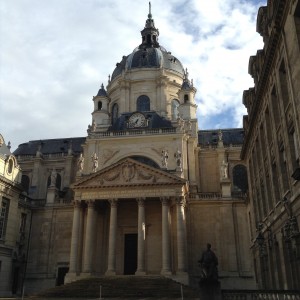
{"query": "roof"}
(234, 136)
(102, 91)
(50, 146)
(148, 58)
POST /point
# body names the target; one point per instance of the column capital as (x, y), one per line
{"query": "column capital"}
(77, 203)
(165, 201)
(90, 203)
(141, 201)
(180, 200)
(113, 202)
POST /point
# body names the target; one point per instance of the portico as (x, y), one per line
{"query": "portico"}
(129, 200)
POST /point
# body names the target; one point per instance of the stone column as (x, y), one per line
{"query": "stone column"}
(141, 237)
(75, 238)
(166, 257)
(89, 237)
(111, 268)
(181, 235)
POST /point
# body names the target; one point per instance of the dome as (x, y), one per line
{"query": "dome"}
(149, 54)
(148, 58)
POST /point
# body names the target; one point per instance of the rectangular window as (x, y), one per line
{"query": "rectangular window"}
(3, 217)
(283, 76)
(23, 223)
(283, 170)
(296, 146)
(297, 21)
(275, 108)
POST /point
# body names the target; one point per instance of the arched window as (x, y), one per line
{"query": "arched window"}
(186, 98)
(175, 105)
(145, 160)
(114, 113)
(25, 183)
(143, 103)
(240, 180)
(99, 105)
(148, 38)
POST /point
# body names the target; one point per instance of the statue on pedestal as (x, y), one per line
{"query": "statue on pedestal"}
(164, 158)
(210, 287)
(224, 170)
(95, 162)
(53, 178)
(209, 263)
(178, 157)
(80, 163)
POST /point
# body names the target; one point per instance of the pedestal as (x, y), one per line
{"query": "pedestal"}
(226, 188)
(51, 194)
(210, 290)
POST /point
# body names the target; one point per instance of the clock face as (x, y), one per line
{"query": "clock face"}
(137, 120)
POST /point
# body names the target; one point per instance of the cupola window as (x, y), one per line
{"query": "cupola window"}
(99, 105)
(10, 166)
(143, 103)
(149, 39)
(114, 113)
(175, 105)
(186, 98)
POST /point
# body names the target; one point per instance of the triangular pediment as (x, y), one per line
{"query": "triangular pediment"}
(128, 172)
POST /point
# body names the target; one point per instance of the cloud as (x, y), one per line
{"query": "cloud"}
(54, 55)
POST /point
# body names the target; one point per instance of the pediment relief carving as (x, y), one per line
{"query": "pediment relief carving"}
(128, 172)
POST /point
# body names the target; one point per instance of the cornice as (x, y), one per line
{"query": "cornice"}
(281, 11)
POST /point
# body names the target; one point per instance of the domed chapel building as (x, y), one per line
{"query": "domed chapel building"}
(145, 191)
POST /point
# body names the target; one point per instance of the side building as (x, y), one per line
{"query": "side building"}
(15, 219)
(271, 147)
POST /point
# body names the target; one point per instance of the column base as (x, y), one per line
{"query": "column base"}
(85, 275)
(140, 273)
(110, 273)
(70, 277)
(166, 273)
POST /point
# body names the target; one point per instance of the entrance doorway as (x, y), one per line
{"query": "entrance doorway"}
(15, 282)
(61, 273)
(130, 253)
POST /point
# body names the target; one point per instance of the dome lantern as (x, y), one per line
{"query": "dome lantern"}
(149, 33)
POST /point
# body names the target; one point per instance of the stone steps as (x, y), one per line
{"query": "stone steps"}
(122, 287)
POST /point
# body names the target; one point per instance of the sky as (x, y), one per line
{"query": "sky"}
(54, 56)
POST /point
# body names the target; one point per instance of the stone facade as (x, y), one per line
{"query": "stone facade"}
(271, 147)
(145, 190)
(14, 223)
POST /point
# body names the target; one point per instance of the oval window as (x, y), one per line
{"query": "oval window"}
(10, 166)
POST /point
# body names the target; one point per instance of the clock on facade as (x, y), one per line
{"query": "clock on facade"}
(137, 120)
